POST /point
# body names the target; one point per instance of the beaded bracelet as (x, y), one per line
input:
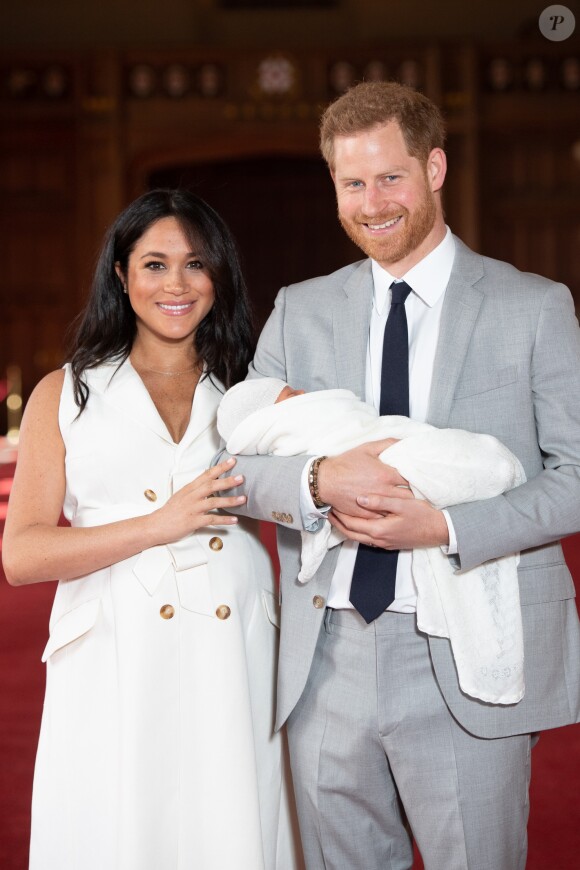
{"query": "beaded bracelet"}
(313, 482)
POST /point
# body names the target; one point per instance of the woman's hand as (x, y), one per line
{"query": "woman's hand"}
(193, 507)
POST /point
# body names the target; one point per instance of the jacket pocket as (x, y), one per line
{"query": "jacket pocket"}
(485, 382)
(71, 626)
(541, 584)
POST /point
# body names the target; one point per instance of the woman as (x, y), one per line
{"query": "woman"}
(156, 749)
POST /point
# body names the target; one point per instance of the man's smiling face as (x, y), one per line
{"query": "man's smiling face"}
(387, 200)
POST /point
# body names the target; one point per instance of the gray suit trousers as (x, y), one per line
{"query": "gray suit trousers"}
(372, 732)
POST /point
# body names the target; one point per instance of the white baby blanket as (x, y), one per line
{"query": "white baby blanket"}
(478, 610)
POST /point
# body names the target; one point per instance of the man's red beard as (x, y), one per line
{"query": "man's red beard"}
(394, 247)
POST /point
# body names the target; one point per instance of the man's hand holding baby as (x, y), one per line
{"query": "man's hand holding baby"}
(342, 478)
(395, 523)
(372, 504)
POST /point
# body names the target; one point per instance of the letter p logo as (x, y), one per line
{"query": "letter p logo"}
(557, 23)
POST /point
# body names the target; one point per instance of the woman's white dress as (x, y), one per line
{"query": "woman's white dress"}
(157, 749)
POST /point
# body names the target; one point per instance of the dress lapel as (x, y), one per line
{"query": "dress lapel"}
(208, 394)
(351, 320)
(123, 389)
(460, 310)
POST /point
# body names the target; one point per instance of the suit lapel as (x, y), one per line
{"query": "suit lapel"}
(351, 320)
(460, 310)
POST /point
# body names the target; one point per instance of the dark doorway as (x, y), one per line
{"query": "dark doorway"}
(282, 212)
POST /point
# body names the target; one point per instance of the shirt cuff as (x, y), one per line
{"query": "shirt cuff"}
(449, 549)
(311, 516)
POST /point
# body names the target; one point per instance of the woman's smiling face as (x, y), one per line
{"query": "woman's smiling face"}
(169, 287)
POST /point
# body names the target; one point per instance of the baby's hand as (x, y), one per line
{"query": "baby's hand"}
(288, 393)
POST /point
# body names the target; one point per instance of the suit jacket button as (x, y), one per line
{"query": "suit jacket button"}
(318, 602)
(223, 611)
(150, 495)
(167, 611)
(280, 517)
(216, 543)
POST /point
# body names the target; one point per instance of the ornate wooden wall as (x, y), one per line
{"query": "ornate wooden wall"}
(80, 135)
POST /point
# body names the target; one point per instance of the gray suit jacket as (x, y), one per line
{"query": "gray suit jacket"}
(508, 364)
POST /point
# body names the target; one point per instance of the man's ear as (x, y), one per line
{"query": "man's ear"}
(436, 168)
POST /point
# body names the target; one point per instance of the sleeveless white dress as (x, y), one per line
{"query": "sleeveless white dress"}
(157, 749)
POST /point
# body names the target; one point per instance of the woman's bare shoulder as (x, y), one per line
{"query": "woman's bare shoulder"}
(45, 397)
(50, 385)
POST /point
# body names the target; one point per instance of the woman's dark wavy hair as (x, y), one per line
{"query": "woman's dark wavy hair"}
(225, 339)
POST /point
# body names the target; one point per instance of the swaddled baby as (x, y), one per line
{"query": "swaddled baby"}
(478, 610)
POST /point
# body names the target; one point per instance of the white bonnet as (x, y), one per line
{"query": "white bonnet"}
(243, 399)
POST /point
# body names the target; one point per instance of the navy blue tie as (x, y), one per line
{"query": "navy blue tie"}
(375, 569)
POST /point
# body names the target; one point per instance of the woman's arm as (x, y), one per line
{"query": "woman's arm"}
(36, 549)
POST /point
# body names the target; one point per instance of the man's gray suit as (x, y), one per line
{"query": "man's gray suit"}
(508, 364)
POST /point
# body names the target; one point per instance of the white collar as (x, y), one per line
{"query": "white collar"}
(428, 278)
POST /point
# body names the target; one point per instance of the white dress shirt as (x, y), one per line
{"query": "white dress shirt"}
(428, 280)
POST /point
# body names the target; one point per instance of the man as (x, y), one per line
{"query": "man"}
(380, 732)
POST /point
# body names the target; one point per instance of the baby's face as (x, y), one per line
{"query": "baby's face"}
(288, 393)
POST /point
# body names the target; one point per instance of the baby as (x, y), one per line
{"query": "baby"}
(444, 466)
(478, 610)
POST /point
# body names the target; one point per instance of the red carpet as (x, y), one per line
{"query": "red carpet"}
(554, 830)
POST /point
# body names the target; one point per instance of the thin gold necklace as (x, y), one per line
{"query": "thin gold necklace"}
(170, 374)
(167, 374)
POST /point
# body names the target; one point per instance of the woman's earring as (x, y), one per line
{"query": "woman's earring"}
(121, 277)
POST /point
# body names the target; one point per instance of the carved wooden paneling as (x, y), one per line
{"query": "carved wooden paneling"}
(531, 201)
(32, 337)
(38, 233)
(82, 134)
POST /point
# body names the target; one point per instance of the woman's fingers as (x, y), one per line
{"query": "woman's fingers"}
(208, 517)
(196, 504)
(220, 502)
(226, 482)
(211, 479)
(221, 467)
